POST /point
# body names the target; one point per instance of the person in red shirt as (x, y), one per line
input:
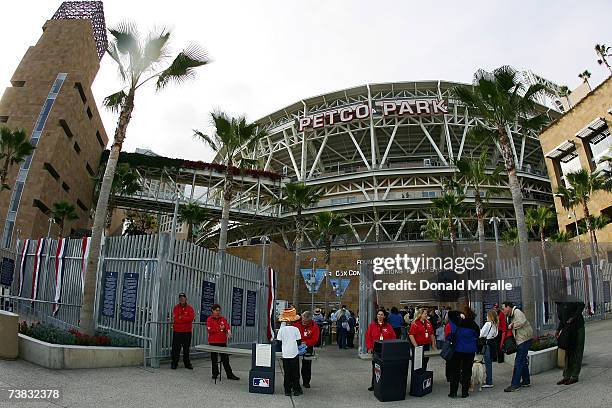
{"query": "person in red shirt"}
(502, 331)
(422, 333)
(218, 334)
(310, 336)
(182, 323)
(379, 329)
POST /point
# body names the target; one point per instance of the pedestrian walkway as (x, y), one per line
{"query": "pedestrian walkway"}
(339, 380)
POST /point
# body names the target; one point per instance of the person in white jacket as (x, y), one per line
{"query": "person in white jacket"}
(489, 333)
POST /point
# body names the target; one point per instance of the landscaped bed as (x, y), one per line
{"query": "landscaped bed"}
(56, 335)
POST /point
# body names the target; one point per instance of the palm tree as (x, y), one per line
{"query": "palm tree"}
(450, 206)
(297, 197)
(510, 236)
(582, 186)
(597, 223)
(560, 238)
(477, 177)
(233, 136)
(125, 182)
(585, 75)
(565, 92)
(502, 101)
(14, 148)
(63, 211)
(140, 223)
(194, 216)
(603, 52)
(328, 226)
(435, 229)
(541, 218)
(139, 61)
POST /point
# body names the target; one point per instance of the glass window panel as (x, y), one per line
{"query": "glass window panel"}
(16, 196)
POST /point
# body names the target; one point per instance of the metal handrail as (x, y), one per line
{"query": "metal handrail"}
(38, 300)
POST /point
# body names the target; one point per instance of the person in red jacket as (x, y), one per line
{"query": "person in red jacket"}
(310, 336)
(182, 315)
(421, 333)
(379, 329)
(502, 331)
(218, 334)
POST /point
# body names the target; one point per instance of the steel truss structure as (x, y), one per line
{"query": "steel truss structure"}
(381, 171)
(88, 10)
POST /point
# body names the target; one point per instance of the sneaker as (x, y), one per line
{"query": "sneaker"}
(512, 388)
(524, 384)
(297, 393)
(488, 386)
(571, 381)
(371, 389)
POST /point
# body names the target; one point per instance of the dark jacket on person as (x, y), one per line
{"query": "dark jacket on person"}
(570, 310)
(467, 334)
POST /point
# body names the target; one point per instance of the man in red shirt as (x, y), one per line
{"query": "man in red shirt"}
(218, 334)
(310, 336)
(183, 315)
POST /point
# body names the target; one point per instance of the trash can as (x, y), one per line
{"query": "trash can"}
(391, 360)
(9, 328)
(421, 381)
(261, 375)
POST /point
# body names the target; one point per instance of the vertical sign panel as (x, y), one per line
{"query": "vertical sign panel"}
(6, 272)
(251, 308)
(129, 296)
(109, 296)
(207, 300)
(237, 300)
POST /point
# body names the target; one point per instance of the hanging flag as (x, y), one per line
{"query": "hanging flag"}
(24, 253)
(319, 276)
(59, 273)
(339, 286)
(37, 266)
(271, 302)
(566, 276)
(85, 243)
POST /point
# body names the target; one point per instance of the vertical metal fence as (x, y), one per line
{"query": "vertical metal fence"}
(157, 269)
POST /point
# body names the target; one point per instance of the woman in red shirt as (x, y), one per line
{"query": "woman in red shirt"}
(379, 329)
(422, 334)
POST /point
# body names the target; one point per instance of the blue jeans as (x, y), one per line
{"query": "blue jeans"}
(488, 364)
(341, 337)
(521, 365)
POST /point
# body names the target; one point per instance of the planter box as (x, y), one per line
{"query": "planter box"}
(539, 361)
(58, 356)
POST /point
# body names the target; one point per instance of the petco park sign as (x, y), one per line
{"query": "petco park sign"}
(403, 107)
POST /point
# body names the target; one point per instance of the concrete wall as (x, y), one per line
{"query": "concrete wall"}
(56, 356)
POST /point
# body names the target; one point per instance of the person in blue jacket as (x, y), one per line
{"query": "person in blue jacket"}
(396, 321)
(467, 332)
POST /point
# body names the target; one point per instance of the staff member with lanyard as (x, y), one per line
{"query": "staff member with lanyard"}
(379, 329)
(310, 336)
(422, 334)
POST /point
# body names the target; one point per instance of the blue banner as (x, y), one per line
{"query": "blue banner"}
(129, 296)
(207, 300)
(339, 286)
(313, 287)
(109, 294)
(237, 300)
(251, 308)
(7, 271)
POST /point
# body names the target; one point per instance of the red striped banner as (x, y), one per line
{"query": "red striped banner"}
(85, 243)
(59, 273)
(35, 271)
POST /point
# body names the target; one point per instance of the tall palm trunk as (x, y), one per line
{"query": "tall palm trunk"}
(228, 192)
(5, 169)
(299, 227)
(521, 225)
(87, 319)
(587, 218)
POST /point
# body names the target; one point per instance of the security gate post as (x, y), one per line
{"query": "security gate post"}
(161, 270)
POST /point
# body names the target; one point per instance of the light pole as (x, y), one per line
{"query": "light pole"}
(495, 221)
(51, 221)
(313, 280)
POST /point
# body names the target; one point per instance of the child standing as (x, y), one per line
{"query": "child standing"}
(291, 338)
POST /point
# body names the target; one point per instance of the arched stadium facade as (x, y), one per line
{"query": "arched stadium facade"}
(379, 153)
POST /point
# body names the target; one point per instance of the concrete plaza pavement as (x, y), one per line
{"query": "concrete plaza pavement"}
(340, 379)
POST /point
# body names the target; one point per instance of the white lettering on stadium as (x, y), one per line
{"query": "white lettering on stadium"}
(401, 107)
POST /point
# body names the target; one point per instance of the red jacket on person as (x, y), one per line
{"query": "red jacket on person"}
(502, 328)
(183, 318)
(422, 331)
(375, 331)
(217, 329)
(310, 332)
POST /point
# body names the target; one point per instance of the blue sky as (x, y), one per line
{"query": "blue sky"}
(268, 54)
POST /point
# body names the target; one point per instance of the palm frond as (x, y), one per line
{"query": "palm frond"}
(207, 139)
(114, 102)
(183, 66)
(155, 47)
(126, 37)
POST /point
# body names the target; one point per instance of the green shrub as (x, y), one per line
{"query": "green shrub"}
(56, 335)
(543, 342)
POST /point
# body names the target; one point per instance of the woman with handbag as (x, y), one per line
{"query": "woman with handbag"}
(466, 332)
(488, 335)
(570, 337)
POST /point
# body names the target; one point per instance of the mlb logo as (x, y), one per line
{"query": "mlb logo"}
(261, 382)
(427, 383)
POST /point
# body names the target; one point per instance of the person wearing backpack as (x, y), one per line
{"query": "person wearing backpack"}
(466, 333)
(523, 333)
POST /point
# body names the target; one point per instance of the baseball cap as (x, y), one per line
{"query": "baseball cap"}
(182, 294)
